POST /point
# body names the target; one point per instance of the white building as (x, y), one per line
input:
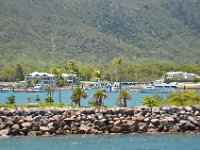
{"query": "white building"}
(69, 77)
(181, 75)
(42, 77)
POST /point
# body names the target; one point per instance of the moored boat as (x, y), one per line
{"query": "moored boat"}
(39, 88)
(115, 87)
(160, 88)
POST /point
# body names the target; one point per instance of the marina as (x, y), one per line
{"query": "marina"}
(23, 96)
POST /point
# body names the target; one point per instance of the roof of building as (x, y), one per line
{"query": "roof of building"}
(33, 74)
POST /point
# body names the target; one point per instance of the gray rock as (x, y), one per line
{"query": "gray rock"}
(52, 129)
(146, 119)
(2, 126)
(44, 129)
(117, 123)
(15, 119)
(27, 125)
(129, 112)
(4, 118)
(155, 122)
(15, 127)
(143, 127)
(44, 121)
(189, 108)
(196, 113)
(84, 128)
(153, 130)
(108, 127)
(93, 131)
(32, 133)
(57, 117)
(170, 119)
(28, 119)
(194, 121)
(4, 132)
(37, 118)
(130, 122)
(116, 129)
(66, 127)
(8, 123)
(185, 125)
(68, 120)
(163, 121)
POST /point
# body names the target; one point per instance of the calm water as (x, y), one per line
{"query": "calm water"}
(103, 142)
(21, 97)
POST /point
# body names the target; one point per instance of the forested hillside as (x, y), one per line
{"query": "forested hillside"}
(43, 32)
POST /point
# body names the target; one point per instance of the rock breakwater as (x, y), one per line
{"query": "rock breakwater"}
(66, 121)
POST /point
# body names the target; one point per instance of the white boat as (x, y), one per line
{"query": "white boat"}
(115, 87)
(39, 88)
(160, 88)
(5, 90)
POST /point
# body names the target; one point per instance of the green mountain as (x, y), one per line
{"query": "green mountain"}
(42, 32)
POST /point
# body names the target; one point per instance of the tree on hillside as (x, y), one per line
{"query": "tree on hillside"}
(123, 95)
(99, 95)
(77, 94)
(19, 72)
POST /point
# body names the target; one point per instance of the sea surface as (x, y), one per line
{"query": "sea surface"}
(104, 142)
(22, 97)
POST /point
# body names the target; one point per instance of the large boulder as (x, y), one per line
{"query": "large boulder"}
(116, 129)
(27, 125)
(37, 118)
(93, 131)
(186, 125)
(155, 121)
(15, 127)
(4, 132)
(84, 128)
(44, 121)
(28, 119)
(194, 121)
(44, 129)
(117, 123)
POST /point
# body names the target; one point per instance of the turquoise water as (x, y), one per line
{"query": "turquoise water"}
(103, 142)
(21, 97)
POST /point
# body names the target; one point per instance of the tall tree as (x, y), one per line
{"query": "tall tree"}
(72, 67)
(123, 95)
(19, 72)
(77, 94)
(99, 95)
(117, 62)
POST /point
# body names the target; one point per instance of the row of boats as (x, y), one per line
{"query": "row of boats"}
(116, 86)
(148, 88)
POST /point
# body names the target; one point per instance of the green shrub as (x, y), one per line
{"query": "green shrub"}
(11, 100)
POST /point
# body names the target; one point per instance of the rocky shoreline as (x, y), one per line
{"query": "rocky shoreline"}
(66, 121)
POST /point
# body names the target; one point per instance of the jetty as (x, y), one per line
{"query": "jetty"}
(67, 121)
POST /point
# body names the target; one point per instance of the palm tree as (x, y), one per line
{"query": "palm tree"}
(49, 89)
(150, 101)
(71, 66)
(97, 74)
(77, 94)
(117, 62)
(123, 95)
(99, 95)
